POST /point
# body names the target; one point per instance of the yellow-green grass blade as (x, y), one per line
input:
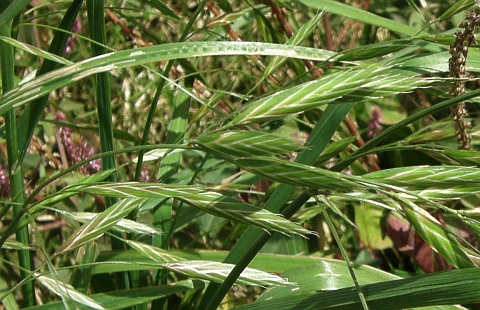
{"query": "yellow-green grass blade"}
(115, 60)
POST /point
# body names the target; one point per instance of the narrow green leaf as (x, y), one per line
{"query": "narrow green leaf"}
(349, 11)
(15, 8)
(297, 38)
(36, 51)
(455, 8)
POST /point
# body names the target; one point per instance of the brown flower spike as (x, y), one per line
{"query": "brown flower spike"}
(456, 65)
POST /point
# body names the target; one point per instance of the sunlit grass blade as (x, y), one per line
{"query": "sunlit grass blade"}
(202, 198)
(124, 225)
(36, 51)
(99, 225)
(105, 63)
(202, 269)
(67, 292)
(421, 177)
(217, 272)
(372, 81)
(245, 143)
(15, 245)
(35, 109)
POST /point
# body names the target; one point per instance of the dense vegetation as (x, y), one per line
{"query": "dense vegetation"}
(152, 150)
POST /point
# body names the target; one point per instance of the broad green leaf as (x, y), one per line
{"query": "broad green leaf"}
(245, 143)
(322, 275)
(368, 221)
(443, 288)
(331, 269)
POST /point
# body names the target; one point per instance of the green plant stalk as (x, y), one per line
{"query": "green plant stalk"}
(9, 12)
(96, 18)
(332, 228)
(17, 191)
(254, 239)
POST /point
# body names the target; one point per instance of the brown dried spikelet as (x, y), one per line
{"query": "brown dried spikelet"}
(456, 65)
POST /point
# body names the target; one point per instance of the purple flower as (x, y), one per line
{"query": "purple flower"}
(374, 122)
(77, 148)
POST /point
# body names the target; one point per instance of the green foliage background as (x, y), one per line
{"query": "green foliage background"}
(289, 154)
